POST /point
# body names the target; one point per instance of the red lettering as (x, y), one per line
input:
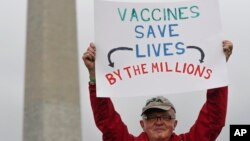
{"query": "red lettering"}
(118, 74)
(177, 67)
(143, 67)
(111, 79)
(127, 70)
(167, 69)
(136, 69)
(199, 71)
(155, 67)
(209, 72)
(190, 69)
(184, 68)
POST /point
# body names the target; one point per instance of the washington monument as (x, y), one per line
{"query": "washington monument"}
(52, 97)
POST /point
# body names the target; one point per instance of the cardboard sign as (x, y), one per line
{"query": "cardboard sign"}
(158, 48)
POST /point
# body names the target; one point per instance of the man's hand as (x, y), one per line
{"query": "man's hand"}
(88, 58)
(227, 48)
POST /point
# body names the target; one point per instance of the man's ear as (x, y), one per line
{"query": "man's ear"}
(175, 123)
(142, 124)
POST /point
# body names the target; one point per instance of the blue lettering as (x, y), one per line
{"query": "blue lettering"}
(162, 31)
(180, 48)
(171, 30)
(157, 51)
(139, 34)
(137, 52)
(150, 31)
(166, 49)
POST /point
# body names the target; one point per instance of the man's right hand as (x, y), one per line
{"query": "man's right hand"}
(88, 58)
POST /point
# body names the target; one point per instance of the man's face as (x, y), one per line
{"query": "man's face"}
(159, 125)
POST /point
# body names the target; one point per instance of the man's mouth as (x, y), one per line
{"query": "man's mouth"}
(159, 129)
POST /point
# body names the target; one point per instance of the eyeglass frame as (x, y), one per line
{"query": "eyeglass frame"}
(153, 117)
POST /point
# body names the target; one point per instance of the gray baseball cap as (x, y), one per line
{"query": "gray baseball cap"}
(158, 102)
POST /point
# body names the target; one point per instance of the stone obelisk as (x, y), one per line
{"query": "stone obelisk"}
(52, 97)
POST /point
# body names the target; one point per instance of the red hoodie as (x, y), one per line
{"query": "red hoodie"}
(207, 127)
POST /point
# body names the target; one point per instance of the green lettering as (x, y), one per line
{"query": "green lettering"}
(153, 14)
(170, 14)
(195, 11)
(122, 16)
(142, 15)
(134, 15)
(182, 13)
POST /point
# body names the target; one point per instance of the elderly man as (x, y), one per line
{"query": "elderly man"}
(158, 115)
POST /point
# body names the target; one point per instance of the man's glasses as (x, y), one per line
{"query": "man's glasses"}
(154, 118)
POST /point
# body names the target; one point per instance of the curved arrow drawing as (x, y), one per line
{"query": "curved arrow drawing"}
(111, 64)
(201, 51)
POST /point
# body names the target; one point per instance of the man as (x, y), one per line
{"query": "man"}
(158, 115)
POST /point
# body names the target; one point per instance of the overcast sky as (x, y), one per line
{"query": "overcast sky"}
(12, 49)
(235, 20)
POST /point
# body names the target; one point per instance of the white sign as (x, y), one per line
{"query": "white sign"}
(158, 48)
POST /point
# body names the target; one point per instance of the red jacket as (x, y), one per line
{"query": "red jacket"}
(207, 127)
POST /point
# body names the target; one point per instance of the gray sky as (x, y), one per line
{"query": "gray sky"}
(235, 20)
(12, 49)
